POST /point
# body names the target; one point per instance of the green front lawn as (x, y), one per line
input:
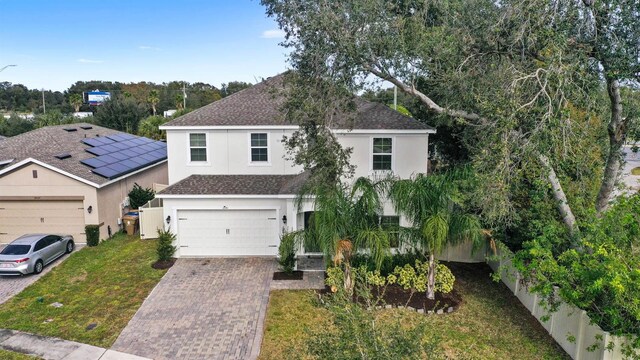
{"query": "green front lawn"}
(103, 285)
(491, 323)
(10, 355)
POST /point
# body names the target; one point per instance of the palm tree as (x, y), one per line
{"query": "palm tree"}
(179, 101)
(347, 220)
(153, 99)
(434, 207)
(76, 101)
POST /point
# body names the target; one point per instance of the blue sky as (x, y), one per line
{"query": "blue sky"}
(56, 43)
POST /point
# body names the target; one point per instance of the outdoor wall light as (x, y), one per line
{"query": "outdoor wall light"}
(168, 219)
(90, 209)
(284, 219)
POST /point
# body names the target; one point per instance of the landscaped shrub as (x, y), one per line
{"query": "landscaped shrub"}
(287, 251)
(388, 264)
(409, 277)
(139, 196)
(360, 334)
(166, 249)
(93, 234)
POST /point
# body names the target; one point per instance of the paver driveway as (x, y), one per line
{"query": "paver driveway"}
(203, 309)
(11, 285)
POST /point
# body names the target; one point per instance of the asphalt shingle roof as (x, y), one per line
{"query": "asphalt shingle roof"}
(260, 105)
(237, 185)
(45, 143)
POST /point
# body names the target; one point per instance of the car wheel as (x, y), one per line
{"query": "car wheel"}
(70, 247)
(37, 268)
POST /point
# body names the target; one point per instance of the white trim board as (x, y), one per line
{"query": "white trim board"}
(187, 196)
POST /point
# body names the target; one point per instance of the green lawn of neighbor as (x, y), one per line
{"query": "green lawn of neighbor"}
(103, 285)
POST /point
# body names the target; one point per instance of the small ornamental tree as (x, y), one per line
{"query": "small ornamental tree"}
(165, 249)
(139, 196)
(287, 251)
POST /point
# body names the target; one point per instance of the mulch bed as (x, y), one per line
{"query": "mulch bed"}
(161, 265)
(281, 275)
(395, 296)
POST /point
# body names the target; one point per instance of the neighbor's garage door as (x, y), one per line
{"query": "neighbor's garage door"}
(57, 217)
(227, 232)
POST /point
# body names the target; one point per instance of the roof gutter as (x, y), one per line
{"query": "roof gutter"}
(295, 127)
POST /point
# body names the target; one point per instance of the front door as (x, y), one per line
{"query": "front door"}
(311, 243)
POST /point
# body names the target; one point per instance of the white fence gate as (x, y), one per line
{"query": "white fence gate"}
(151, 219)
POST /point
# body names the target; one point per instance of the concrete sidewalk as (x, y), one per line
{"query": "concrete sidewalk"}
(49, 348)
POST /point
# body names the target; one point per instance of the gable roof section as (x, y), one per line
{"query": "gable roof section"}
(41, 146)
(260, 105)
(235, 185)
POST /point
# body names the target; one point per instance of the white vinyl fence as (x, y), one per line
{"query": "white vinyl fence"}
(570, 326)
(151, 219)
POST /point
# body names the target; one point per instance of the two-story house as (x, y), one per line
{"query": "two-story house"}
(232, 191)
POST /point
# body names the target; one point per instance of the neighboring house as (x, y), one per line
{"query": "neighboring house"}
(232, 192)
(58, 179)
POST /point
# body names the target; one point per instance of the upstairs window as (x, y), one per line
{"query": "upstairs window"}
(382, 153)
(198, 147)
(259, 147)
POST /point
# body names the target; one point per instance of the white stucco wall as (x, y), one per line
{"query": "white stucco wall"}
(228, 153)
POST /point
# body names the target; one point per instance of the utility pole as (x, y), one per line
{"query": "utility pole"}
(44, 106)
(184, 96)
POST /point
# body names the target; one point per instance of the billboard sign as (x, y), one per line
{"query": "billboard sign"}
(98, 97)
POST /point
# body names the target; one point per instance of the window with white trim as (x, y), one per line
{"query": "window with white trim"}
(382, 153)
(391, 224)
(198, 147)
(259, 147)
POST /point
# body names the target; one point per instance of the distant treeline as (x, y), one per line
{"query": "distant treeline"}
(21, 99)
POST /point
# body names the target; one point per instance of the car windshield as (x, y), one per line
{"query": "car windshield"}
(16, 250)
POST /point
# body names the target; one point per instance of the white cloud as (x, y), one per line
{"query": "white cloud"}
(88, 61)
(273, 34)
(145, 47)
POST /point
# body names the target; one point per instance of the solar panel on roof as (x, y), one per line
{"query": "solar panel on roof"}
(119, 168)
(129, 153)
(146, 148)
(105, 172)
(138, 151)
(97, 151)
(118, 155)
(107, 159)
(130, 164)
(103, 140)
(148, 157)
(93, 162)
(139, 160)
(110, 148)
(92, 142)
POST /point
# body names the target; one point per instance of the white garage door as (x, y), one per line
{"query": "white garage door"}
(57, 217)
(227, 232)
